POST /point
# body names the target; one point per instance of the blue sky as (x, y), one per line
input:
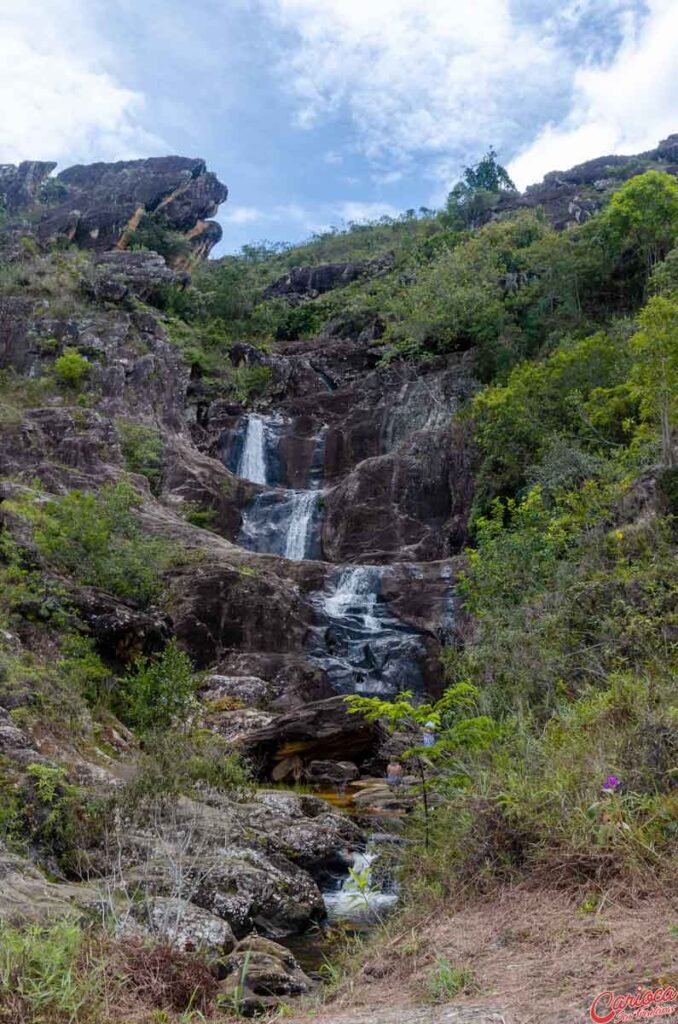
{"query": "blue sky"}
(317, 112)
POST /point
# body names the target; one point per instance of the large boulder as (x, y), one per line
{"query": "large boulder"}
(185, 925)
(258, 975)
(322, 729)
(251, 863)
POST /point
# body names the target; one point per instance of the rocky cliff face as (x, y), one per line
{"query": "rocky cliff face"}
(571, 197)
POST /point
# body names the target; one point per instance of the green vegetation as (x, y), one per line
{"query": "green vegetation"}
(153, 233)
(571, 661)
(98, 539)
(71, 368)
(470, 201)
(447, 981)
(68, 973)
(159, 692)
(510, 289)
(142, 449)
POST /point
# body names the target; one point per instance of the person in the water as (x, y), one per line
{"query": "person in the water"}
(394, 774)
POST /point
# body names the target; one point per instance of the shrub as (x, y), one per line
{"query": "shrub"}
(65, 973)
(247, 382)
(152, 233)
(71, 368)
(159, 692)
(56, 818)
(187, 762)
(142, 449)
(447, 981)
(98, 539)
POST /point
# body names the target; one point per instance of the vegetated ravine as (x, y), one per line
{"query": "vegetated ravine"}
(231, 499)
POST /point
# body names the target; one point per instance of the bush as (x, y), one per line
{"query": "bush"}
(98, 539)
(56, 818)
(65, 973)
(142, 449)
(186, 763)
(152, 233)
(71, 368)
(159, 692)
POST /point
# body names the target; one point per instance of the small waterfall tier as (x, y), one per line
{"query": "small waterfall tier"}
(252, 464)
(361, 645)
(366, 896)
(279, 521)
(253, 449)
(283, 523)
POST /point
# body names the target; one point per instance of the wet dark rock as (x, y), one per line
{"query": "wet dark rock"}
(121, 631)
(331, 773)
(323, 729)
(218, 607)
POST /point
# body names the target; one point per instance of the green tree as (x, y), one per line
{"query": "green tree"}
(488, 174)
(471, 198)
(71, 368)
(644, 214)
(655, 372)
(159, 692)
(98, 539)
(451, 721)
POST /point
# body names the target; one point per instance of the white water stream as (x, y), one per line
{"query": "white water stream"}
(359, 900)
(253, 459)
(304, 505)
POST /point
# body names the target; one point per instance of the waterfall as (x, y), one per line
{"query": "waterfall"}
(359, 900)
(253, 459)
(360, 644)
(356, 593)
(303, 506)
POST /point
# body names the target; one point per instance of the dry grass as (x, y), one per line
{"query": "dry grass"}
(71, 977)
(537, 953)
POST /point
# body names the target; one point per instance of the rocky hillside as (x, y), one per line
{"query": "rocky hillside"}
(420, 456)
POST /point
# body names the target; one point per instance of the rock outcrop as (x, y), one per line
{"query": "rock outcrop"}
(309, 282)
(571, 197)
(99, 206)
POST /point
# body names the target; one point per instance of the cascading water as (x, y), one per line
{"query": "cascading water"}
(359, 899)
(252, 464)
(356, 594)
(362, 647)
(278, 521)
(304, 505)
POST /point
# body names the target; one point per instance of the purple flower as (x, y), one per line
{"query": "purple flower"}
(611, 783)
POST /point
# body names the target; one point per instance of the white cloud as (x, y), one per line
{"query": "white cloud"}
(419, 76)
(440, 80)
(626, 107)
(242, 215)
(388, 177)
(358, 212)
(58, 98)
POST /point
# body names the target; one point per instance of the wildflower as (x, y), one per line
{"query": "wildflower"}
(611, 783)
